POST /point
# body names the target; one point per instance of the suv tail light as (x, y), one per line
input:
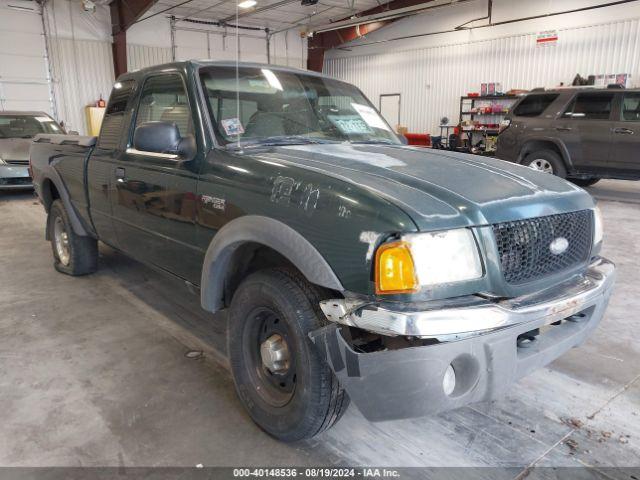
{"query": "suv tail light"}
(504, 124)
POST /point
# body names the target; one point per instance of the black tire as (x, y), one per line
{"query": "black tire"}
(584, 182)
(81, 253)
(304, 398)
(551, 157)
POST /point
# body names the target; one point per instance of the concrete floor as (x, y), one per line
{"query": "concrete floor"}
(93, 372)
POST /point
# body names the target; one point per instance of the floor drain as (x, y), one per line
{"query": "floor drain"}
(194, 354)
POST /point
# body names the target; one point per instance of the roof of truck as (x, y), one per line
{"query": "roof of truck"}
(215, 63)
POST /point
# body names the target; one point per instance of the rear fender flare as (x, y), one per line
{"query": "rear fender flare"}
(270, 233)
(52, 176)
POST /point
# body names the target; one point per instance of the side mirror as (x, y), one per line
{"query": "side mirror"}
(157, 137)
(403, 139)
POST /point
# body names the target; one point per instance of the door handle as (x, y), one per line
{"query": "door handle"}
(120, 175)
(624, 131)
(563, 129)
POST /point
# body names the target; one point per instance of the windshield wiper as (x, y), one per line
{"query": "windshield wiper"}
(374, 142)
(279, 140)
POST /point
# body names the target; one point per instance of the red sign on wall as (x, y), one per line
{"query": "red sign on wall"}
(547, 38)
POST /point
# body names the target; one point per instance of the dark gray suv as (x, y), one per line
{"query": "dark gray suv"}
(579, 134)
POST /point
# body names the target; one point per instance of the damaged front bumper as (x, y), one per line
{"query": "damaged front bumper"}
(481, 341)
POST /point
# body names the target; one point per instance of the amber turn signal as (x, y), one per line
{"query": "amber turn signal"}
(395, 271)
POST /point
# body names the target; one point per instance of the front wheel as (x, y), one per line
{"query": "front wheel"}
(546, 161)
(288, 390)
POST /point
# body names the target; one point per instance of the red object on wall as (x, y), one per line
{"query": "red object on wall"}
(418, 139)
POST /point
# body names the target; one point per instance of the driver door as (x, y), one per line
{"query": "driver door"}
(154, 207)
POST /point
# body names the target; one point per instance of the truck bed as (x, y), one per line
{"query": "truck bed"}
(63, 160)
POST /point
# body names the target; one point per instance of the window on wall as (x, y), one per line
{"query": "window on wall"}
(591, 106)
(631, 107)
(164, 99)
(534, 105)
(115, 113)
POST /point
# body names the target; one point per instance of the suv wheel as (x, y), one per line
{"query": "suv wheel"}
(72, 254)
(546, 161)
(584, 182)
(288, 390)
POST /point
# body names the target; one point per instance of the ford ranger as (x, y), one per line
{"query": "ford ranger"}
(352, 267)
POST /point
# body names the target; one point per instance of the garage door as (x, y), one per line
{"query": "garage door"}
(24, 82)
(200, 44)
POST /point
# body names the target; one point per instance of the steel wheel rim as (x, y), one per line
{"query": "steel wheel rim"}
(276, 386)
(541, 165)
(61, 240)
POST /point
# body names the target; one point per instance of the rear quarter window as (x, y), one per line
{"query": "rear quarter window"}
(534, 105)
(115, 114)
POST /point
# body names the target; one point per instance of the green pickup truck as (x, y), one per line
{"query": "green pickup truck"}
(353, 267)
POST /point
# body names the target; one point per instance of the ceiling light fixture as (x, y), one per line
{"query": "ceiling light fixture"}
(247, 4)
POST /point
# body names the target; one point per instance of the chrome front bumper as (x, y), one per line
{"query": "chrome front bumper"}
(476, 315)
(488, 345)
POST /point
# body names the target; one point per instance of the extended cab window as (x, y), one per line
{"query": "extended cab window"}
(114, 115)
(590, 106)
(534, 105)
(631, 107)
(164, 99)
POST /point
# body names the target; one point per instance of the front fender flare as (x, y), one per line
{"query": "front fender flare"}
(265, 231)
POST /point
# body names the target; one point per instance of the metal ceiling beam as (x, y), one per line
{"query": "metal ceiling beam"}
(124, 13)
(353, 29)
(388, 15)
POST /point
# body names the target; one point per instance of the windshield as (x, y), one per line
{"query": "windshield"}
(283, 108)
(27, 126)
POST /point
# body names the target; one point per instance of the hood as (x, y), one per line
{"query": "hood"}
(14, 148)
(441, 189)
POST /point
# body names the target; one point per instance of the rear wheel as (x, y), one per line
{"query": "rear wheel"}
(546, 161)
(584, 182)
(288, 390)
(73, 254)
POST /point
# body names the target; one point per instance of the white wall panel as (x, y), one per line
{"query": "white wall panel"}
(432, 79)
(82, 71)
(289, 48)
(24, 77)
(142, 56)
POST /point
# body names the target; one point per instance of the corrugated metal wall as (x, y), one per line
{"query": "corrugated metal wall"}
(81, 70)
(142, 56)
(431, 80)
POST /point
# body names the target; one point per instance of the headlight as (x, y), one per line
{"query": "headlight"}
(2, 162)
(425, 259)
(597, 226)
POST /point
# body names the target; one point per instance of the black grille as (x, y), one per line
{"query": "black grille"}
(17, 162)
(525, 245)
(15, 181)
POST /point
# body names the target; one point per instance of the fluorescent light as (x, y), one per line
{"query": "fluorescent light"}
(247, 4)
(272, 79)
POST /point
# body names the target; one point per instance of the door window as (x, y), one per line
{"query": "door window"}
(631, 107)
(114, 115)
(590, 106)
(164, 99)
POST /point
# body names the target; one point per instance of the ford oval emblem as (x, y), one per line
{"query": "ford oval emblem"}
(559, 246)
